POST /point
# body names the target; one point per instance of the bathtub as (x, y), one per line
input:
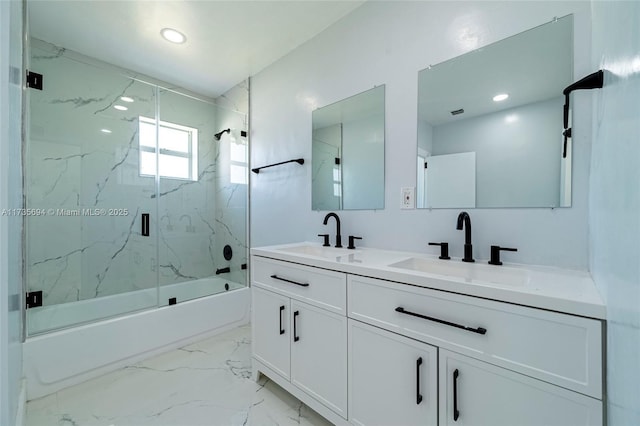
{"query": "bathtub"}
(59, 359)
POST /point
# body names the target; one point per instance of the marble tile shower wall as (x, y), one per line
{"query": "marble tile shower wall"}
(73, 166)
(232, 198)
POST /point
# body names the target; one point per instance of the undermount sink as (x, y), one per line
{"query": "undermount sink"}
(469, 272)
(318, 251)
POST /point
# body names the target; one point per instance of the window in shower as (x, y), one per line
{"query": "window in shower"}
(178, 149)
(238, 162)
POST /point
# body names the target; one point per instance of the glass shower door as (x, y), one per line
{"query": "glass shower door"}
(202, 224)
(86, 251)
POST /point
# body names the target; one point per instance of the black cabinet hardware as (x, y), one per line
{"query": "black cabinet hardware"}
(326, 240)
(478, 330)
(444, 250)
(456, 413)
(418, 396)
(495, 254)
(145, 225)
(275, 277)
(295, 329)
(281, 311)
(352, 243)
(223, 270)
(297, 160)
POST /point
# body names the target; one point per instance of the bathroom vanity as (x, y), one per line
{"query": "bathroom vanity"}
(370, 337)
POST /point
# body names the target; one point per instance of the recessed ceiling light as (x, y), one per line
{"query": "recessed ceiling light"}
(105, 130)
(500, 97)
(120, 107)
(126, 99)
(174, 36)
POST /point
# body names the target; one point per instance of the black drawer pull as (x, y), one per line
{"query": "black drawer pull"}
(295, 330)
(478, 330)
(145, 225)
(281, 311)
(418, 396)
(275, 277)
(456, 413)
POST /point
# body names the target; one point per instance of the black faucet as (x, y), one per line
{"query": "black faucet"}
(338, 236)
(464, 219)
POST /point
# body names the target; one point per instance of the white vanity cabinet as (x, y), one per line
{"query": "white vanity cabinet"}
(364, 344)
(475, 393)
(271, 330)
(392, 379)
(300, 331)
(499, 364)
(562, 349)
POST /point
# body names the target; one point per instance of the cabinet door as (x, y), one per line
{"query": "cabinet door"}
(319, 355)
(271, 331)
(392, 379)
(475, 393)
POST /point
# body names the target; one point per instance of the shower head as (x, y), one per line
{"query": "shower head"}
(219, 134)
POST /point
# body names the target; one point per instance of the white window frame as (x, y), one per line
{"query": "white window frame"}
(242, 165)
(191, 154)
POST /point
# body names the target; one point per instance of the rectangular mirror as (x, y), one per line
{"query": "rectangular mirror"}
(348, 153)
(475, 150)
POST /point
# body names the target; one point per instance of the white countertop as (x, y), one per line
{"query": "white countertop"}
(555, 289)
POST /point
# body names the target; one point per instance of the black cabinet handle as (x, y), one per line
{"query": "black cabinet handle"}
(418, 396)
(281, 311)
(295, 331)
(275, 277)
(478, 330)
(145, 225)
(456, 413)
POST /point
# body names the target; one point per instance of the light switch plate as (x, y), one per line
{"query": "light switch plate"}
(408, 198)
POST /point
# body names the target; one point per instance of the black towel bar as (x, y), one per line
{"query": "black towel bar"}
(297, 160)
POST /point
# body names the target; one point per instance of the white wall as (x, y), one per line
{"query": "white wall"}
(388, 43)
(614, 205)
(10, 226)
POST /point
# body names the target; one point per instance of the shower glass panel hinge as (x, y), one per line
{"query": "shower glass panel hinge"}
(34, 80)
(34, 299)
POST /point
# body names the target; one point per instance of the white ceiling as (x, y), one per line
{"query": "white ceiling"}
(227, 40)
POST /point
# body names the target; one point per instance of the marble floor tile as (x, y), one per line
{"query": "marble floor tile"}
(205, 383)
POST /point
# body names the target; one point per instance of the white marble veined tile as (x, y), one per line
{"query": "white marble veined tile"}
(205, 383)
(84, 154)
